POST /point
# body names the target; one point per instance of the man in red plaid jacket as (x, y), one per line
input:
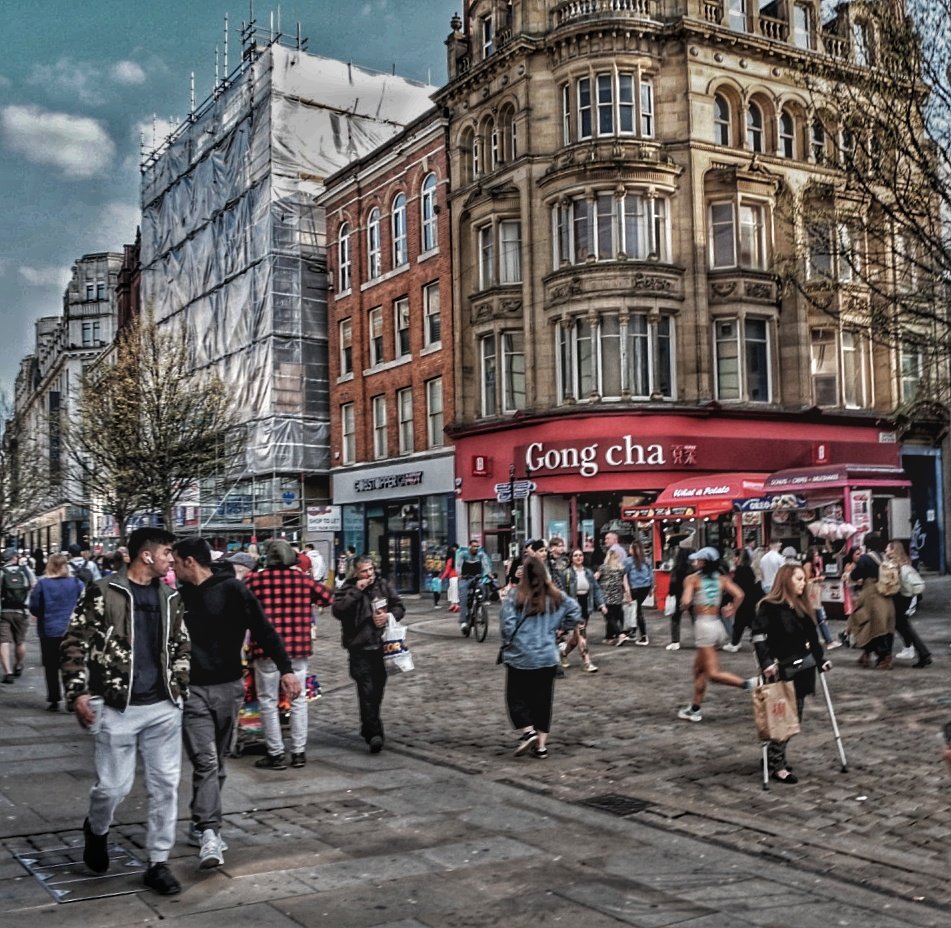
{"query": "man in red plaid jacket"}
(287, 597)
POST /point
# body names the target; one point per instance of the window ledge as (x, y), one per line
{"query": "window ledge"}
(388, 365)
(345, 378)
(426, 255)
(389, 275)
(343, 294)
(431, 349)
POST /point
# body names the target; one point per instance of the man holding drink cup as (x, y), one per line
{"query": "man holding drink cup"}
(363, 604)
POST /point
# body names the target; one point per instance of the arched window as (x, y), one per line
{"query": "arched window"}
(427, 205)
(721, 120)
(467, 156)
(343, 258)
(398, 230)
(787, 135)
(373, 244)
(755, 135)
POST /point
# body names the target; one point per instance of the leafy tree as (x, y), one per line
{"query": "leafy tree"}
(149, 428)
(876, 246)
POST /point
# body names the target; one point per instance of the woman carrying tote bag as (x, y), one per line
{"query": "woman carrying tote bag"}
(788, 648)
(531, 615)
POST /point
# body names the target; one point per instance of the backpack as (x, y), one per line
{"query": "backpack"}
(14, 588)
(889, 581)
(911, 582)
(83, 572)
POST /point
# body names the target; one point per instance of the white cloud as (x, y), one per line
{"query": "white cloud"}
(45, 276)
(77, 146)
(127, 72)
(80, 79)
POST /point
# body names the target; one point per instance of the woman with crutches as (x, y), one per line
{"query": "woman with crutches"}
(788, 648)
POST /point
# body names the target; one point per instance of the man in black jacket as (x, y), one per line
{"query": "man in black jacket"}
(219, 610)
(363, 604)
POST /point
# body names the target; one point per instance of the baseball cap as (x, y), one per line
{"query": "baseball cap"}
(74, 549)
(709, 554)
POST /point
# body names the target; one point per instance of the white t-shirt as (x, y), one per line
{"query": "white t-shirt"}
(769, 566)
(318, 566)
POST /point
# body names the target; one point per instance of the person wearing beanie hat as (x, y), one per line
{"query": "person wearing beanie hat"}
(287, 596)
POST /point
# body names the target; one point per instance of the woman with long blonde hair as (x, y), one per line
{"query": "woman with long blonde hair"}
(788, 648)
(612, 578)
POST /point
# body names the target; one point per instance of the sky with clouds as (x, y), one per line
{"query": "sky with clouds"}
(80, 82)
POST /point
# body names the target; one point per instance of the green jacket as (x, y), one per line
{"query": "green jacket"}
(96, 653)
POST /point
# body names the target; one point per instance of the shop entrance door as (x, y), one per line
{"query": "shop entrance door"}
(402, 561)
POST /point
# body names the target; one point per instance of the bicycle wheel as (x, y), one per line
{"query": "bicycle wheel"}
(481, 621)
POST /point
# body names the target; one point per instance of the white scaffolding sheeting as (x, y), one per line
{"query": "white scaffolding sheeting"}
(224, 249)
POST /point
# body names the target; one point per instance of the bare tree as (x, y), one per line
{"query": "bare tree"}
(149, 428)
(875, 247)
(24, 475)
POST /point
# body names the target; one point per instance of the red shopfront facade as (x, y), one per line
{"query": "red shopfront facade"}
(582, 469)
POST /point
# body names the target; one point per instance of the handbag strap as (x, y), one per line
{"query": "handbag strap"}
(505, 643)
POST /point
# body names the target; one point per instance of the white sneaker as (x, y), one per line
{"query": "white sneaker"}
(732, 648)
(673, 646)
(905, 654)
(210, 855)
(689, 715)
(643, 642)
(196, 835)
(590, 668)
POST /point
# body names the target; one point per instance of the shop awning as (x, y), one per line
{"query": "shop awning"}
(835, 476)
(710, 494)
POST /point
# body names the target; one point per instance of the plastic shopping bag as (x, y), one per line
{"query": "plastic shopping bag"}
(670, 605)
(630, 616)
(396, 656)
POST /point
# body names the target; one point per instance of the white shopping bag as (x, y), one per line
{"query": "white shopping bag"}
(396, 656)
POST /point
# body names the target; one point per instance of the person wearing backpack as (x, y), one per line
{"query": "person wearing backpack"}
(910, 585)
(52, 602)
(81, 566)
(872, 622)
(16, 581)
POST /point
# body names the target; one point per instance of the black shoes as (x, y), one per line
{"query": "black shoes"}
(53, 707)
(271, 762)
(161, 879)
(784, 776)
(376, 744)
(922, 662)
(298, 760)
(96, 850)
(9, 678)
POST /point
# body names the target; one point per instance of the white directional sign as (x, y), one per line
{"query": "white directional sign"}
(522, 488)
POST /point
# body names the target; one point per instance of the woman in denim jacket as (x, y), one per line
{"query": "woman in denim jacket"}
(530, 616)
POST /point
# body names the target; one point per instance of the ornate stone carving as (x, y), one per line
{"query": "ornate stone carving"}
(652, 282)
(759, 291)
(566, 290)
(723, 289)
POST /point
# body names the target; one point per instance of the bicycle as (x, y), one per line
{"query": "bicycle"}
(477, 610)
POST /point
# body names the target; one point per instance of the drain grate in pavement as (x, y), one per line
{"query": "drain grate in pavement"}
(62, 873)
(615, 804)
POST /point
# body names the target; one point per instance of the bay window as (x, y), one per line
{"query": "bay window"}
(615, 356)
(742, 355)
(738, 243)
(840, 367)
(606, 105)
(502, 363)
(502, 238)
(609, 226)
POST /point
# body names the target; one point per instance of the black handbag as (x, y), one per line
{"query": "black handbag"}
(793, 665)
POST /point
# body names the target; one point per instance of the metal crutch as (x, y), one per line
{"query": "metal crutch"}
(835, 726)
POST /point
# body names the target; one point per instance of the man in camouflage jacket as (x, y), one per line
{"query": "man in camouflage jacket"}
(125, 661)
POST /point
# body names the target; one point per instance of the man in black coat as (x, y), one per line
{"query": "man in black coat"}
(363, 604)
(219, 611)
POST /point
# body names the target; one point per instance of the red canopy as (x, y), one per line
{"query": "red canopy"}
(836, 476)
(711, 494)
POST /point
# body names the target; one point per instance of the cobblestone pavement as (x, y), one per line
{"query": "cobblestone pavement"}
(885, 823)
(446, 828)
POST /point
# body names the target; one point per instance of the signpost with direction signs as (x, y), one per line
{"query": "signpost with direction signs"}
(515, 489)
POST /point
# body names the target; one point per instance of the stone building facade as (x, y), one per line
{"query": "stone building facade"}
(629, 180)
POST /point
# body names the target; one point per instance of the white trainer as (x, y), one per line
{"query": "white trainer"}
(905, 654)
(732, 648)
(210, 855)
(673, 646)
(689, 715)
